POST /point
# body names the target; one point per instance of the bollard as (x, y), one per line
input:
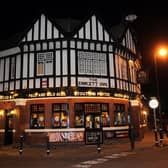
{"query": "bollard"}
(98, 142)
(131, 137)
(156, 137)
(21, 145)
(161, 137)
(48, 146)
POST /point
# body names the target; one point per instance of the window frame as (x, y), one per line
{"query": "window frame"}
(119, 108)
(85, 110)
(61, 111)
(38, 112)
(43, 63)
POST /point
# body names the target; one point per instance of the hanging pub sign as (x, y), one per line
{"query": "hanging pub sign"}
(142, 77)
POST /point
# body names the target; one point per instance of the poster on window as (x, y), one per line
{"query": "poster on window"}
(66, 136)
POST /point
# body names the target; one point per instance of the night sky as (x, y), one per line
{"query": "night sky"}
(151, 27)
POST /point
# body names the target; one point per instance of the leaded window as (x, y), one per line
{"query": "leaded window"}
(44, 63)
(92, 63)
(37, 119)
(60, 115)
(119, 115)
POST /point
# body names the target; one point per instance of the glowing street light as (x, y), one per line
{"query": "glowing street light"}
(161, 52)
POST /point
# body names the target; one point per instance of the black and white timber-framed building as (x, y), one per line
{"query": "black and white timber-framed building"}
(67, 79)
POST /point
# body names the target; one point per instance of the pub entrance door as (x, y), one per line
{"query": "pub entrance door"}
(8, 128)
(93, 128)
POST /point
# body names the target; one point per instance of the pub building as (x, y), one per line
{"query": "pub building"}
(67, 80)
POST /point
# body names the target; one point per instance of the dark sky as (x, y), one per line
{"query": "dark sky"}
(151, 26)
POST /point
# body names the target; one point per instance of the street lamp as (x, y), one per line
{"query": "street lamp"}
(161, 52)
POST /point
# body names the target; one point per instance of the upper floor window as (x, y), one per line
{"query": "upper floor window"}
(44, 63)
(12, 74)
(121, 67)
(92, 63)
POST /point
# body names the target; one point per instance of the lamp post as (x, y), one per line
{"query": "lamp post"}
(161, 52)
(153, 103)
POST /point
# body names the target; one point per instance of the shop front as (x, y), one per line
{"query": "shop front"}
(66, 120)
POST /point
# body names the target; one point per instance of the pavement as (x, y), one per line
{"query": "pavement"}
(71, 154)
(116, 145)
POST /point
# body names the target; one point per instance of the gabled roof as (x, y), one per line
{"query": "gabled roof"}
(69, 27)
(11, 42)
(93, 28)
(118, 31)
(68, 24)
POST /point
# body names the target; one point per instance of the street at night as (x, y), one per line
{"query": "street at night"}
(117, 154)
(83, 85)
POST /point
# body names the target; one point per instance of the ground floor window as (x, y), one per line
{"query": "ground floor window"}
(93, 121)
(79, 115)
(91, 115)
(37, 116)
(119, 115)
(59, 115)
(105, 115)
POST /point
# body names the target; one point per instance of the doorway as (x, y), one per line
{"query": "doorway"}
(8, 128)
(93, 128)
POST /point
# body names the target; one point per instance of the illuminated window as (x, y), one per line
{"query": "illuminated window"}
(60, 115)
(119, 115)
(37, 116)
(92, 63)
(105, 115)
(96, 115)
(79, 115)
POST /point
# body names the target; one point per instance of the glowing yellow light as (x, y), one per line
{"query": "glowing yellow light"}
(63, 93)
(49, 93)
(76, 93)
(1, 112)
(144, 112)
(162, 52)
(36, 93)
(100, 93)
(12, 112)
(131, 61)
(89, 93)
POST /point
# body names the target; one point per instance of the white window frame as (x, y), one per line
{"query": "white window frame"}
(44, 63)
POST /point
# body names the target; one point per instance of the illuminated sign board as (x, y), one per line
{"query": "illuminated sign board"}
(93, 82)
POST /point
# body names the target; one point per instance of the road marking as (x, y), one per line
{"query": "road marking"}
(111, 157)
(97, 161)
(82, 166)
(89, 163)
